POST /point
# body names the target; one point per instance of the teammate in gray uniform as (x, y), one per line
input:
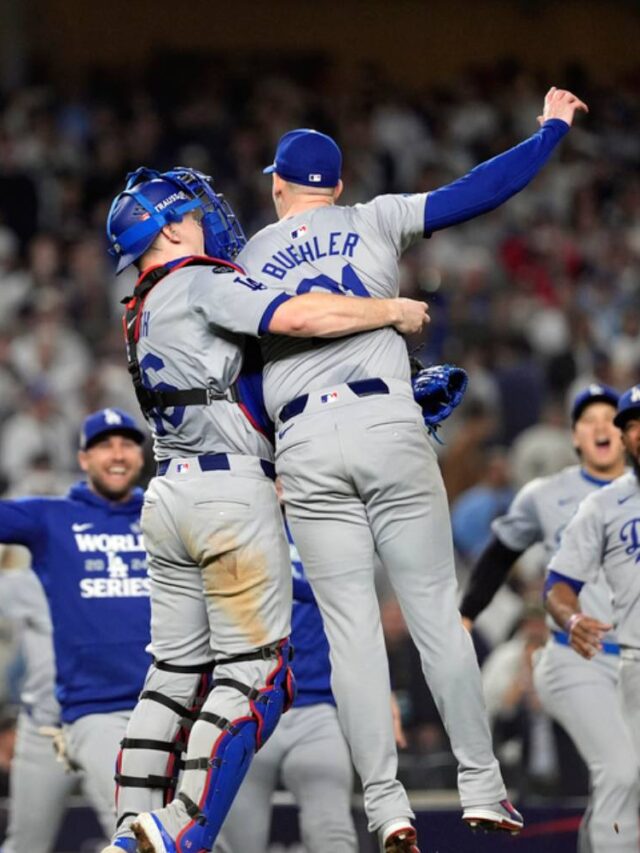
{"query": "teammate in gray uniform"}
(36, 775)
(358, 470)
(604, 538)
(218, 558)
(581, 696)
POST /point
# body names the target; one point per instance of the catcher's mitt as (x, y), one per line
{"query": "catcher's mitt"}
(438, 390)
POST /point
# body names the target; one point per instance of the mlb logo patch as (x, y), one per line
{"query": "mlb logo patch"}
(299, 232)
(329, 398)
(315, 178)
(182, 467)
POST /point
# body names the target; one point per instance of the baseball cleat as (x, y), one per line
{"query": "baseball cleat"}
(496, 817)
(151, 836)
(399, 837)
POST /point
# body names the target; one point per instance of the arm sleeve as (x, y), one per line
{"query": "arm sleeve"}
(21, 522)
(235, 301)
(581, 548)
(491, 183)
(488, 575)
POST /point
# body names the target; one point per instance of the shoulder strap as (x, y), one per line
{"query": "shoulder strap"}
(151, 398)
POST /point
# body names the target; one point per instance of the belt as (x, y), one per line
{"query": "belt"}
(214, 462)
(608, 648)
(361, 388)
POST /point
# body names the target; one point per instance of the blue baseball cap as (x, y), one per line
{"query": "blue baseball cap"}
(594, 393)
(108, 421)
(307, 157)
(628, 406)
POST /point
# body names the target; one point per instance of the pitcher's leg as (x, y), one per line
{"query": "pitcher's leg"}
(409, 517)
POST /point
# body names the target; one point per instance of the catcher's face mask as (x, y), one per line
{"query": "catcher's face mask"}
(223, 234)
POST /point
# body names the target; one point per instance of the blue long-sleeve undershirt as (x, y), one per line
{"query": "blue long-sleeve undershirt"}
(491, 183)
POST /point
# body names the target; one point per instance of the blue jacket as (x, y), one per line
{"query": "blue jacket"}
(90, 558)
(311, 666)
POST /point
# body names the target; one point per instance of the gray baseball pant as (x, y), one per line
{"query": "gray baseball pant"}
(359, 475)
(220, 586)
(583, 697)
(309, 753)
(39, 790)
(93, 742)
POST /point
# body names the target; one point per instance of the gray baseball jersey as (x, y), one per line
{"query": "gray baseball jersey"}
(605, 534)
(22, 600)
(540, 512)
(191, 336)
(360, 476)
(348, 250)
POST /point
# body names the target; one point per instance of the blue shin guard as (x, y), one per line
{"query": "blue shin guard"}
(233, 752)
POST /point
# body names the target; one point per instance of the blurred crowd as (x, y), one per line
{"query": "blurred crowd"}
(535, 300)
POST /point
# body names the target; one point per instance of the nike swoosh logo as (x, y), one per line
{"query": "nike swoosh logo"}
(284, 431)
(78, 528)
(624, 500)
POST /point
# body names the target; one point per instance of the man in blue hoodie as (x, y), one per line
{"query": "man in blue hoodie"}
(87, 550)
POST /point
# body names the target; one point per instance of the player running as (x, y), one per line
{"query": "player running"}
(603, 539)
(88, 554)
(358, 471)
(219, 561)
(582, 697)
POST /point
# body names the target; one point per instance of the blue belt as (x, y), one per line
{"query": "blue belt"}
(218, 462)
(608, 648)
(361, 387)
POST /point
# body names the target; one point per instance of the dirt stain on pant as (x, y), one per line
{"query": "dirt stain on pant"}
(236, 582)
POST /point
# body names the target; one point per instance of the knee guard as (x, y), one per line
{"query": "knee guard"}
(171, 737)
(235, 747)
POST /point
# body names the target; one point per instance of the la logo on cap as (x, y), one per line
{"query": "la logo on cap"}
(635, 394)
(112, 418)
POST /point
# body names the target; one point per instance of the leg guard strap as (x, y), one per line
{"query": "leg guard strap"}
(249, 692)
(151, 781)
(161, 745)
(192, 809)
(189, 669)
(186, 715)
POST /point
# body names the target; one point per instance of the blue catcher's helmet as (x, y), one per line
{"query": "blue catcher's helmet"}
(223, 234)
(153, 199)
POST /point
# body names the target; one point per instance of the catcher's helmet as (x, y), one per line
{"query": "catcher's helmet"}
(153, 199)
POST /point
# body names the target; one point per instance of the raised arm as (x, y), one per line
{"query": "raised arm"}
(493, 182)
